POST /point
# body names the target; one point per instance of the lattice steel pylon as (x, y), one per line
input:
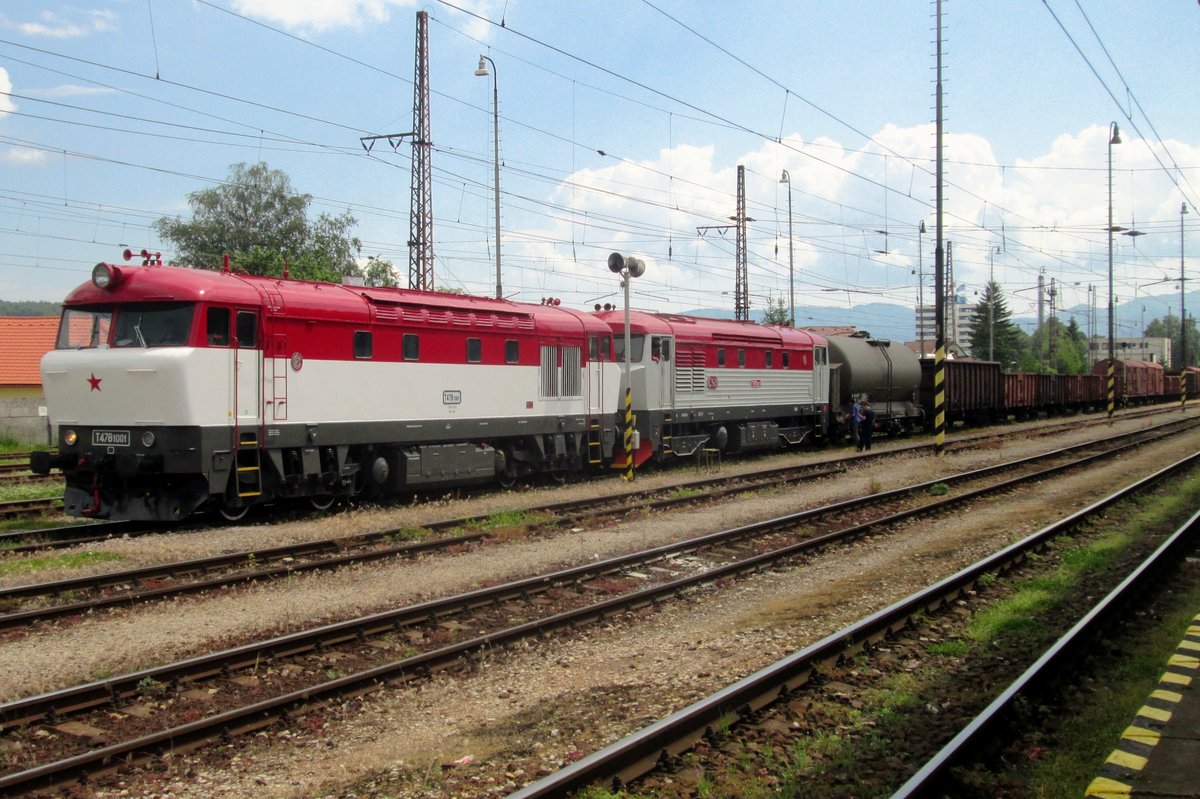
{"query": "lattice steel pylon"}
(741, 288)
(420, 216)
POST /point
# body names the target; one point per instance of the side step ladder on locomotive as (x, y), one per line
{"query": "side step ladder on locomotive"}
(249, 468)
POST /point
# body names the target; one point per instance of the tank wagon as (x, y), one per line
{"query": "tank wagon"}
(886, 373)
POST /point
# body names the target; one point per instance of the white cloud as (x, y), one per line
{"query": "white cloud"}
(6, 87)
(70, 90)
(25, 156)
(318, 15)
(70, 23)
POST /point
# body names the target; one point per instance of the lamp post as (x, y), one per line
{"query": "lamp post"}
(991, 295)
(921, 287)
(1114, 138)
(786, 178)
(628, 268)
(1183, 359)
(482, 72)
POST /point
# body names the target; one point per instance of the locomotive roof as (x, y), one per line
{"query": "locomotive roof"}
(316, 300)
(699, 327)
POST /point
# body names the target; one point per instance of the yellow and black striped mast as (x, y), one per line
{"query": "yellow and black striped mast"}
(939, 363)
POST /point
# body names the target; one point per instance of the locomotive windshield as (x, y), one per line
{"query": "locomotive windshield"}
(159, 325)
(153, 325)
(81, 329)
(636, 343)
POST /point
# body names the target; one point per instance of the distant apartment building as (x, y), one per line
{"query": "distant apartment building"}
(960, 320)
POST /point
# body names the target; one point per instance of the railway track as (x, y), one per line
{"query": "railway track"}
(127, 587)
(750, 702)
(452, 631)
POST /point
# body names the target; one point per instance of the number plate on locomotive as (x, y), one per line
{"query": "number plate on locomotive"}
(110, 438)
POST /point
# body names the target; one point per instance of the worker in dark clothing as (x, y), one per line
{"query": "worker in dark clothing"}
(856, 426)
(866, 428)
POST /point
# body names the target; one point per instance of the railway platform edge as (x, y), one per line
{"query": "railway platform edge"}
(1158, 755)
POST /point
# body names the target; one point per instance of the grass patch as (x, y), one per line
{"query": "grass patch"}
(507, 520)
(22, 491)
(939, 490)
(685, 493)
(949, 649)
(70, 560)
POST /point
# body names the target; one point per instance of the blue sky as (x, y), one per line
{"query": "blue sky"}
(114, 110)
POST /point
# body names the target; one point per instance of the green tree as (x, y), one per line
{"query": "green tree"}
(1056, 348)
(258, 219)
(994, 336)
(1169, 328)
(776, 313)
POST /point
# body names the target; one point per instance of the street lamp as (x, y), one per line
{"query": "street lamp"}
(1183, 359)
(482, 72)
(1114, 138)
(991, 295)
(628, 268)
(786, 178)
(921, 287)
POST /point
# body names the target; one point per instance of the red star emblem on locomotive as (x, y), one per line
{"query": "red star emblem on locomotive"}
(94, 382)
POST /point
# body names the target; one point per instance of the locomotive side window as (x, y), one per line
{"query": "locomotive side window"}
(721, 356)
(217, 327)
(593, 348)
(741, 358)
(362, 344)
(247, 330)
(787, 360)
(410, 347)
(474, 350)
(660, 349)
(153, 325)
(636, 343)
(81, 330)
(512, 351)
(768, 355)
(820, 356)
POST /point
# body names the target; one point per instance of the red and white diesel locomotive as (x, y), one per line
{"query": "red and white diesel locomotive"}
(178, 390)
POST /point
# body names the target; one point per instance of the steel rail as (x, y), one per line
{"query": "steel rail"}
(287, 552)
(90, 695)
(260, 714)
(638, 753)
(1050, 666)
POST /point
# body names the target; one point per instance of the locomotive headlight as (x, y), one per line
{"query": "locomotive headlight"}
(105, 276)
(147, 439)
(70, 438)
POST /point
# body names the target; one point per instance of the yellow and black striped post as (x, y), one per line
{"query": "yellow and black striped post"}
(1112, 387)
(1183, 392)
(628, 475)
(939, 397)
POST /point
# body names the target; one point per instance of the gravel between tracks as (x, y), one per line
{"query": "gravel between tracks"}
(532, 709)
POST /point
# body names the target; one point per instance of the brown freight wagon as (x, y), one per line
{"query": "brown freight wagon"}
(974, 390)
(1020, 394)
(1137, 382)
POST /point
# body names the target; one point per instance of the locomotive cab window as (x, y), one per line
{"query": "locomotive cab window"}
(410, 347)
(247, 330)
(512, 351)
(83, 329)
(160, 325)
(660, 349)
(362, 344)
(474, 350)
(636, 343)
(820, 356)
(217, 327)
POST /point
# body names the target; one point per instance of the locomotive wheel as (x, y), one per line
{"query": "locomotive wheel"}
(506, 479)
(323, 502)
